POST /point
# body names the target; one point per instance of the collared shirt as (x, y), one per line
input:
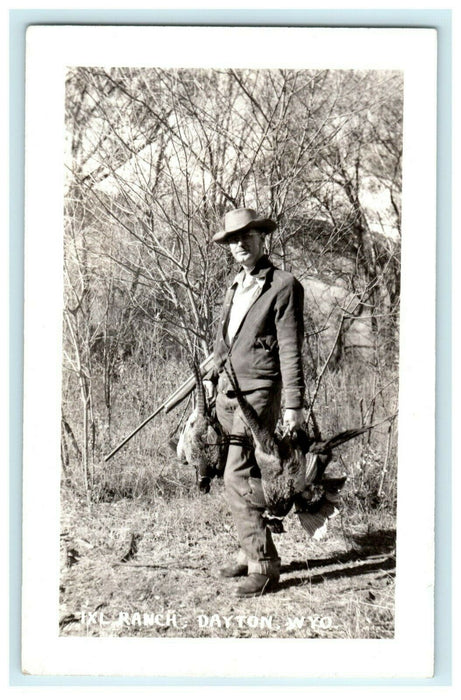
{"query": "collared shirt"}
(247, 288)
(267, 348)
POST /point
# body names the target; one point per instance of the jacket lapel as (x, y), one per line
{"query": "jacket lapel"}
(226, 311)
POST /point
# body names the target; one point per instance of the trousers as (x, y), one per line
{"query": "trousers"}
(242, 478)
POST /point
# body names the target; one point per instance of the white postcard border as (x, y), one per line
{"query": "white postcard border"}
(49, 51)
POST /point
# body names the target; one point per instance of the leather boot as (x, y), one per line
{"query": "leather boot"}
(255, 584)
(233, 570)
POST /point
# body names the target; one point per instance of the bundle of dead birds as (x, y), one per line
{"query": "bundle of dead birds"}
(202, 443)
(292, 467)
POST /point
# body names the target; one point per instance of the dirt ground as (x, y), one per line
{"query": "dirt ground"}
(136, 570)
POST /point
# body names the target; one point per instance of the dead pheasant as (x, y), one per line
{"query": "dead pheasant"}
(280, 458)
(201, 444)
(319, 500)
(292, 468)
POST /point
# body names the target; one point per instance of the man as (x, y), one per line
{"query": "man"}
(261, 333)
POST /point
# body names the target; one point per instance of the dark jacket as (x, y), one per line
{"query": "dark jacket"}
(267, 347)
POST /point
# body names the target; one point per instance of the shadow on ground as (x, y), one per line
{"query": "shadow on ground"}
(371, 552)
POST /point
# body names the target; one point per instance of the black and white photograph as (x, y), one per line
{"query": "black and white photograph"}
(231, 427)
(168, 174)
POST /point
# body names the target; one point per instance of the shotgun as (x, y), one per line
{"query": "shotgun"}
(172, 401)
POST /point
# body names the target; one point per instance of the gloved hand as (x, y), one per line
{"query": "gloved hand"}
(293, 418)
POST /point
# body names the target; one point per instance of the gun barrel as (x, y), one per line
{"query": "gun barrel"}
(119, 447)
(175, 398)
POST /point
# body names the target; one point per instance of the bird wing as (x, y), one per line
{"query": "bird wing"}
(314, 516)
(315, 524)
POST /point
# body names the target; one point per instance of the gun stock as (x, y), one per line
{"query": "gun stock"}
(172, 401)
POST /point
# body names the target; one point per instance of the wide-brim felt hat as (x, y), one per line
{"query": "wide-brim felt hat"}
(240, 220)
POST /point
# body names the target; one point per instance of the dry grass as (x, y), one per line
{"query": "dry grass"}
(341, 587)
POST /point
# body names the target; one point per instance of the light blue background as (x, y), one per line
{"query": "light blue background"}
(438, 19)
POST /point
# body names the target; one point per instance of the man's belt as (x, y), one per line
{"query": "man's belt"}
(225, 387)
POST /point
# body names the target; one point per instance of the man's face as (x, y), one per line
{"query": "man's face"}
(247, 247)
